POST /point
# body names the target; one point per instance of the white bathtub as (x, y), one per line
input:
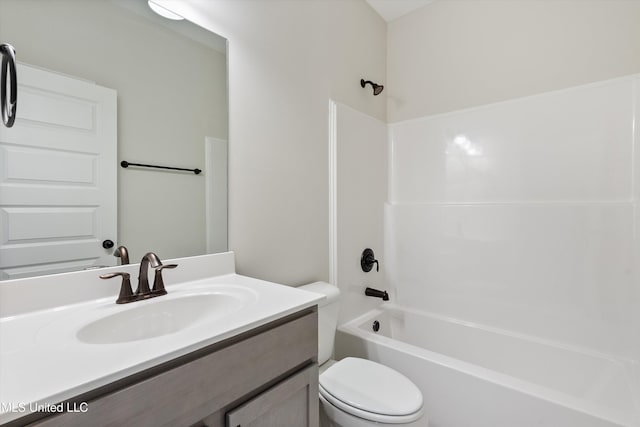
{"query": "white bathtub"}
(475, 376)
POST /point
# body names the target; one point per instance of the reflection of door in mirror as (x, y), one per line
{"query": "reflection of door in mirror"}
(58, 192)
(171, 80)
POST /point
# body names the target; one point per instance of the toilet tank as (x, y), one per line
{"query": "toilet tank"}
(327, 317)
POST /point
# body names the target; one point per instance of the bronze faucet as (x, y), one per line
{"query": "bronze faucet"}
(143, 291)
(123, 254)
(370, 292)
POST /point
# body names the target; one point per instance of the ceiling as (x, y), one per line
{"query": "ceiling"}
(392, 9)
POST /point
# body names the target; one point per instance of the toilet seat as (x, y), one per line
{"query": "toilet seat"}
(382, 394)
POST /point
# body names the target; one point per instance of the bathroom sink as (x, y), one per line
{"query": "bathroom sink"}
(158, 317)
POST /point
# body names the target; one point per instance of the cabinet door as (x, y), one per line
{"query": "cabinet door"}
(292, 403)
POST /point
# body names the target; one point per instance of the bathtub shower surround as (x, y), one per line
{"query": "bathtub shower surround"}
(511, 246)
(520, 215)
(358, 143)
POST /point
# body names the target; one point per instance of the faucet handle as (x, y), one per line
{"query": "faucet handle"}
(367, 260)
(126, 294)
(158, 282)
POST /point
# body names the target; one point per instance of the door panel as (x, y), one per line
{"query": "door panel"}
(58, 179)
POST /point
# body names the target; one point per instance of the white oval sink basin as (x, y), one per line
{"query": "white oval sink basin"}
(158, 317)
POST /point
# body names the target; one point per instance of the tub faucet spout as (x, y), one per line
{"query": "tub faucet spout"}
(370, 292)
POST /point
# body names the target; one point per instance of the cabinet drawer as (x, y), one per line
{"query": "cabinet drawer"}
(292, 403)
(187, 393)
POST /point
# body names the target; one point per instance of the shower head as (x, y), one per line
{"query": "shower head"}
(377, 89)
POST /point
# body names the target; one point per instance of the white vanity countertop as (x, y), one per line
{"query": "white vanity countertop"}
(42, 361)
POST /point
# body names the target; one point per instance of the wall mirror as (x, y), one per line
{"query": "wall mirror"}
(168, 80)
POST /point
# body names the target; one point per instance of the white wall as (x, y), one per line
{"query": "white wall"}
(457, 54)
(286, 60)
(521, 215)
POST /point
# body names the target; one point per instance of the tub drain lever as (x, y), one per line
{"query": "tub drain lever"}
(370, 292)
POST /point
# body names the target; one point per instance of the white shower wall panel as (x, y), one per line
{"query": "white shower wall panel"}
(559, 272)
(573, 144)
(522, 215)
(359, 147)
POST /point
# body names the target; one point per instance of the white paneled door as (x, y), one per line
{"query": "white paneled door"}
(58, 176)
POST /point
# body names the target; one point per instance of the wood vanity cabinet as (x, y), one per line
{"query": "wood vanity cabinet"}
(265, 377)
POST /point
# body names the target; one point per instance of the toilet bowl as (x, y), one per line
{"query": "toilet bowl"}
(356, 392)
(360, 393)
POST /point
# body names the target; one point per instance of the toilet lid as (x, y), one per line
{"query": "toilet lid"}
(370, 387)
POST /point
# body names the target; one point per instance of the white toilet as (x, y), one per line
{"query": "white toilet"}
(357, 392)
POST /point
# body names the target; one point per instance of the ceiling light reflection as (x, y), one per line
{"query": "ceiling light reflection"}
(465, 145)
